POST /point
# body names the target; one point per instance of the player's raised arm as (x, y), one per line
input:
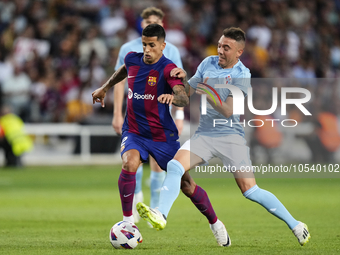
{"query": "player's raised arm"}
(179, 98)
(99, 94)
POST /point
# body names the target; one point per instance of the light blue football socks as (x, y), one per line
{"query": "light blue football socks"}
(156, 181)
(271, 203)
(171, 186)
(139, 178)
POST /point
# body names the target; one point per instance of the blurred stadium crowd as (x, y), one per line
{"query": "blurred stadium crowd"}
(54, 53)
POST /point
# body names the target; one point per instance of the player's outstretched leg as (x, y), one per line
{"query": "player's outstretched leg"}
(138, 196)
(200, 199)
(168, 195)
(275, 207)
(171, 186)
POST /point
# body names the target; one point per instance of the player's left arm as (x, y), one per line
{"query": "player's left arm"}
(179, 98)
(180, 73)
(226, 108)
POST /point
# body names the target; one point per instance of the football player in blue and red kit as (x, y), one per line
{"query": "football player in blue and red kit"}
(148, 127)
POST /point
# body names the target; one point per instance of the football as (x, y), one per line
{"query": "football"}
(125, 235)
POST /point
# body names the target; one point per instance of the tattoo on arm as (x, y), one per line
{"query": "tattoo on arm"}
(118, 76)
(186, 85)
(181, 98)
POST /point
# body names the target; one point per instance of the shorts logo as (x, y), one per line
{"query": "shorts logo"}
(124, 139)
(152, 81)
(122, 145)
(130, 94)
(228, 79)
(243, 162)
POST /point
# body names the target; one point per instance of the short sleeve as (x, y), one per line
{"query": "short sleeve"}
(198, 76)
(172, 81)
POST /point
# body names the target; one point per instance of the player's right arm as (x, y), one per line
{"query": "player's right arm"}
(99, 94)
(118, 98)
(118, 93)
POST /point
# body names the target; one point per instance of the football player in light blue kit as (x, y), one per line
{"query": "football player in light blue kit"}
(223, 141)
(150, 15)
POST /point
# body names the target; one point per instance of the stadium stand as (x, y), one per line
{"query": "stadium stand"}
(53, 54)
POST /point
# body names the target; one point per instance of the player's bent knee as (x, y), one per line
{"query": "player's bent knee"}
(174, 167)
(251, 193)
(245, 183)
(130, 165)
(131, 160)
(246, 188)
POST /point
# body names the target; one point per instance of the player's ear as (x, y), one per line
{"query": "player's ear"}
(163, 45)
(240, 49)
(239, 53)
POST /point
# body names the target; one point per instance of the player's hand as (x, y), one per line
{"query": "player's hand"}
(98, 96)
(165, 99)
(201, 87)
(117, 123)
(179, 125)
(178, 72)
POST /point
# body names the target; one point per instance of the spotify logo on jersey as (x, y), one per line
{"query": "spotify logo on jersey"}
(130, 94)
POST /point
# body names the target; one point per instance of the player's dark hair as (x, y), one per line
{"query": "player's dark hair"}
(235, 33)
(154, 30)
(152, 11)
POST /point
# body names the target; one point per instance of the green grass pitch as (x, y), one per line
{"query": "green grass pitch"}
(70, 210)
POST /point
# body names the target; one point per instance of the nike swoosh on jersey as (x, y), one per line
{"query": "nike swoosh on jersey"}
(127, 195)
(129, 76)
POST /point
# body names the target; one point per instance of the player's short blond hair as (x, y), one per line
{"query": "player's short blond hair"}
(152, 11)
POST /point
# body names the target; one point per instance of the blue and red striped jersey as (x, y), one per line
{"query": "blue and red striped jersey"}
(145, 115)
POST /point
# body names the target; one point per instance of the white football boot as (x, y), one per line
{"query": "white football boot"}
(302, 234)
(221, 235)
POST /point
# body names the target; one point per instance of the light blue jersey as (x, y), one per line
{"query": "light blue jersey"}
(170, 51)
(238, 76)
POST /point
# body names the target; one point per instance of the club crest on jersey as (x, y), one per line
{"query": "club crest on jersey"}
(228, 79)
(152, 81)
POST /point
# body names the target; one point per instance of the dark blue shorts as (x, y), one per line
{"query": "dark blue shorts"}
(162, 152)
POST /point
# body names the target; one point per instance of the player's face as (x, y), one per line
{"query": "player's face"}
(228, 52)
(152, 19)
(152, 48)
